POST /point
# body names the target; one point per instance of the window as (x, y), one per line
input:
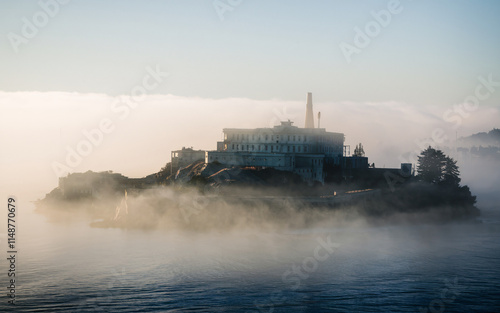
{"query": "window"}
(293, 148)
(267, 137)
(305, 148)
(288, 137)
(266, 147)
(299, 149)
(247, 148)
(253, 147)
(232, 147)
(272, 148)
(294, 138)
(238, 137)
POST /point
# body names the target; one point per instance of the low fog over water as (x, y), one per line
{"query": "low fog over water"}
(65, 265)
(305, 261)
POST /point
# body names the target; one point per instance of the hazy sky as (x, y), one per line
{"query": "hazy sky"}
(429, 52)
(386, 74)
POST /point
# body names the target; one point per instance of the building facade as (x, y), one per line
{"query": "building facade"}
(304, 151)
(186, 156)
(312, 153)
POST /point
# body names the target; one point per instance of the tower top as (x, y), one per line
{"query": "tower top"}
(309, 112)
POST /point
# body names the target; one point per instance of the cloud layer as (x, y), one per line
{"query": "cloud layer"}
(39, 128)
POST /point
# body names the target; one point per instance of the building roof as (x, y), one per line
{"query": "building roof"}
(285, 127)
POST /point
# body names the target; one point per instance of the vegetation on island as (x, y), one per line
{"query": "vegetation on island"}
(483, 138)
(483, 146)
(435, 190)
(434, 194)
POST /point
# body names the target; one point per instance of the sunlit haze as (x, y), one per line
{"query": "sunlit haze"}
(100, 86)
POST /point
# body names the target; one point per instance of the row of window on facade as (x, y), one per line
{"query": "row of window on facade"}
(266, 137)
(316, 162)
(268, 148)
(250, 161)
(276, 148)
(294, 138)
(307, 171)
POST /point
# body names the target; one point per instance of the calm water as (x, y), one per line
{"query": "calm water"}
(70, 267)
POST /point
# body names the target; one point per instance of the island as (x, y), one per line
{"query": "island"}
(284, 175)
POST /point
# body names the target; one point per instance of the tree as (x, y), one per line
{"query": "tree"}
(451, 173)
(359, 151)
(436, 168)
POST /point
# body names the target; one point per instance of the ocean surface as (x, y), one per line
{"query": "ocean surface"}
(67, 266)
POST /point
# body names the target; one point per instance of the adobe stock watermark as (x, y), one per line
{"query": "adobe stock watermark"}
(31, 27)
(190, 204)
(224, 6)
(122, 107)
(363, 36)
(447, 295)
(296, 274)
(482, 92)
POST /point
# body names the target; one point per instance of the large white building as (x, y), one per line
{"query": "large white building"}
(304, 151)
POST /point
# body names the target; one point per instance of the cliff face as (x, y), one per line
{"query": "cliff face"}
(93, 184)
(212, 176)
(199, 186)
(217, 177)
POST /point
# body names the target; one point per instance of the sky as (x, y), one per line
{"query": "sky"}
(430, 51)
(388, 74)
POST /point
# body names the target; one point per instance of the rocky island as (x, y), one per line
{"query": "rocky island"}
(284, 174)
(209, 195)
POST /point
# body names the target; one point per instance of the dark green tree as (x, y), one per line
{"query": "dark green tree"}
(436, 168)
(451, 173)
(430, 165)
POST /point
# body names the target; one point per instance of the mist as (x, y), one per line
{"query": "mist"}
(39, 128)
(181, 240)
